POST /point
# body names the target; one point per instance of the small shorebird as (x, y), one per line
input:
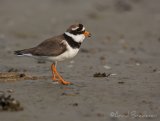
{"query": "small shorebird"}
(58, 48)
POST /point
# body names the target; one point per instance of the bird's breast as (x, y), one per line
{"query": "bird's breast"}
(70, 52)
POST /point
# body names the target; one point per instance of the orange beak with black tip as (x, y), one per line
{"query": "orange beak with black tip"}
(87, 34)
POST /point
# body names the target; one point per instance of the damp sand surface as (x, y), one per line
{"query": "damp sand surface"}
(115, 76)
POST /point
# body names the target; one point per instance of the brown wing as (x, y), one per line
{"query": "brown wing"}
(50, 47)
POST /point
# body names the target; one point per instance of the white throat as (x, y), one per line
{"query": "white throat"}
(77, 38)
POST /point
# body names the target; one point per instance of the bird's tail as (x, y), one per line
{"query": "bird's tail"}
(19, 52)
(26, 52)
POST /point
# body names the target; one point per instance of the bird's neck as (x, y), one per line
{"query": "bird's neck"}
(71, 41)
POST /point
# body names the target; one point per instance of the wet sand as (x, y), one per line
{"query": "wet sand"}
(125, 45)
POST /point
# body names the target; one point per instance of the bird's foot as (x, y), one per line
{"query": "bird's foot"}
(61, 81)
(64, 82)
(57, 77)
(54, 79)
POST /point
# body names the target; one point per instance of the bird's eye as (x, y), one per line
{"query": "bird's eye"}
(78, 30)
(80, 25)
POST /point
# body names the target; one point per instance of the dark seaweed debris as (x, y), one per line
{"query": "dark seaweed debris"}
(121, 82)
(8, 103)
(74, 104)
(101, 75)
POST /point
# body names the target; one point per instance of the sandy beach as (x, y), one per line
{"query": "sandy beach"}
(125, 45)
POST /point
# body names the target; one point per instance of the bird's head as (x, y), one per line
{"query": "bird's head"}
(77, 32)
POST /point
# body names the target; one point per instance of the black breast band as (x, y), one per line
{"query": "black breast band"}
(71, 42)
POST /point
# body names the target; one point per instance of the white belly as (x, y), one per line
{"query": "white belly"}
(66, 55)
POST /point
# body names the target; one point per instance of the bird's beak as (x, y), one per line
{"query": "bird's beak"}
(87, 34)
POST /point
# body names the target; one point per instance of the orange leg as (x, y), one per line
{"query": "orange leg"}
(56, 74)
(54, 78)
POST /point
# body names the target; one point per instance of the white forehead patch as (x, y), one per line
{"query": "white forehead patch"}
(83, 29)
(75, 28)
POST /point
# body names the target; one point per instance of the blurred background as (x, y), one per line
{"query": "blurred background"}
(23, 23)
(125, 41)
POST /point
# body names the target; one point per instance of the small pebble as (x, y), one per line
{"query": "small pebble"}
(72, 61)
(113, 74)
(70, 66)
(10, 90)
(107, 67)
(138, 64)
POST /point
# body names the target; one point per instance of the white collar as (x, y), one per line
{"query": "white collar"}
(78, 38)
